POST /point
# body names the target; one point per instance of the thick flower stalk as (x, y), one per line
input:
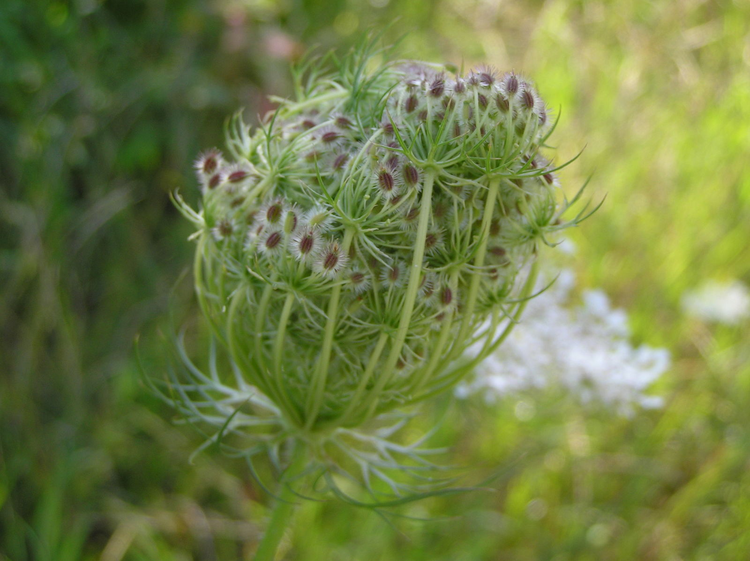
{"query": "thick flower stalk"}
(360, 239)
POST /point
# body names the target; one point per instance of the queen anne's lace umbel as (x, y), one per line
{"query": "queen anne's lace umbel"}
(584, 349)
(719, 302)
(349, 248)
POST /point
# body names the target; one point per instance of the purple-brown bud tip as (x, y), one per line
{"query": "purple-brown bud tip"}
(437, 87)
(511, 84)
(411, 175)
(411, 103)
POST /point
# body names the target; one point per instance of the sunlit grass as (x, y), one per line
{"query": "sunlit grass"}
(657, 93)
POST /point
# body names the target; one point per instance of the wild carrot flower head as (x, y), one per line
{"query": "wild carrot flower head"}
(395, 209)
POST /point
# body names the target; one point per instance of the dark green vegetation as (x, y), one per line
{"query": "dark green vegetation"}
(103, 106)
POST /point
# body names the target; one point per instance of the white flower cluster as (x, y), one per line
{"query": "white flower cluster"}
(584, 349)
(719, 302)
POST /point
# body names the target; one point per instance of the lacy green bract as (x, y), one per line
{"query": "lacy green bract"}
(351, 247)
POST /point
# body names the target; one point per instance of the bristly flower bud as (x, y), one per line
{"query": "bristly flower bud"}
(330, 259)
(483, 76)
(409, 221)
(319, 217)
(446, 297)
(223, 229)
(392, 276)
(510, 84)
(271, 241)
(459, 86)
(329, 137)
(437, 86)
(387, 182)
(411, 103)
(272, 214)
(237, 174)
(410, 175)
(305, 243)
(340, 161)
(343, 122)
(291, 220)
(359, 281)
(528, 97)
(215, 180)
(502, 102)
(433, 241)
(208, 163)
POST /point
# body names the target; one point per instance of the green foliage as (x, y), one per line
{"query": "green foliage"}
(90, 246)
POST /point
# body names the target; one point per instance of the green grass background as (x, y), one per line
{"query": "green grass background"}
(104, 104)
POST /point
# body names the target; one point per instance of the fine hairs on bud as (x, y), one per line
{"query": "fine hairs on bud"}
(330, 259)
(272, 214)
(305, 243)
(224, 229)
(271, 241)
(392, 275)
(359, 281)
(389, 207)
(387, 181)
(318, 217)
(208, 163)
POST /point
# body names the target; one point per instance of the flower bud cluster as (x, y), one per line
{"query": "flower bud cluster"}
(351, 246)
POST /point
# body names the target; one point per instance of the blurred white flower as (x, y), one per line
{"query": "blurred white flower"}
(720, 302)
(584, 348)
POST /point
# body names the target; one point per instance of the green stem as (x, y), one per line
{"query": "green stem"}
(374, 357)
(453, 377)
(253, 196)
(278, 347)
(439, 350)
(412, 288)
(260, 324)
(278, 351)
(318, 382)
(283, 509)
(200, 289)
(471, 299)
(241, 355)
(313, 101)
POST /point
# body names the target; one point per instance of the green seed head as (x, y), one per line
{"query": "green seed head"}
(353, 246)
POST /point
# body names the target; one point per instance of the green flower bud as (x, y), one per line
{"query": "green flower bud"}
(358, 241)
